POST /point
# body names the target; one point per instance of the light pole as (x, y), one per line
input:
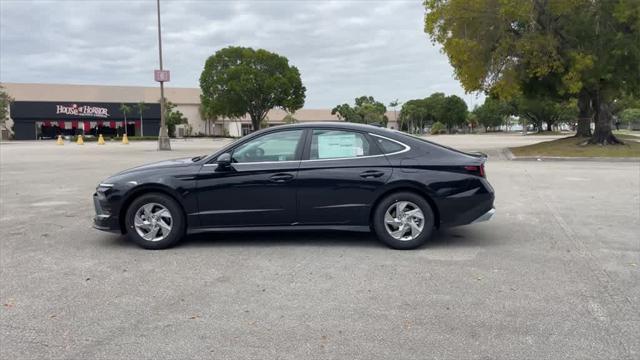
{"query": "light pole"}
(163, 137)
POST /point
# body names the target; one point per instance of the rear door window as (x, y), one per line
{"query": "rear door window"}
(338, 144)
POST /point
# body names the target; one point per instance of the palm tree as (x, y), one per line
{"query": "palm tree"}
(141, 106)
(125, 110)
(210, 117)
(394, 104)
(204, 115)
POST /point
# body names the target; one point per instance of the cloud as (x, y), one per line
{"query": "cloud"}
(343, 49)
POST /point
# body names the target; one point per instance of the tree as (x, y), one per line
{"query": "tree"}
(5, 101)
(366, 111)
(454, 112)
(419, 113)
(238, 81)
(585, 48)
(208, 117)
(414, 114)
(539, 110)
(630, 116)
(491, 114)
(141, 107)
(289, 119)
(172, 118)
(394, 104)
(472, 121)
(125, 109)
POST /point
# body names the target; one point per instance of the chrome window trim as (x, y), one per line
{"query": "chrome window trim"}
(344, 158)
(257, 162)
(406, 148)
(266, 162)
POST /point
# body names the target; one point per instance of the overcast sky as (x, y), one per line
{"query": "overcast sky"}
(343, 49)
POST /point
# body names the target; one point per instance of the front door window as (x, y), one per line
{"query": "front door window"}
(278, 146)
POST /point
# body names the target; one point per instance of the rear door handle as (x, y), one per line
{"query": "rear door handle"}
(281, 178)
(371, 174)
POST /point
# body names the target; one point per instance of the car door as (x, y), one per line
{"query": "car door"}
(339, 177)
(257, 188)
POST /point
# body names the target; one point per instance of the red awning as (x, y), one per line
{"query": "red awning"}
(112, 124)
(74, 124)
(61, 124)
(86, 125)
(46, 123)
(137, 124)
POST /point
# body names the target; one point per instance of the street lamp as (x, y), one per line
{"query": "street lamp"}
(162, 76)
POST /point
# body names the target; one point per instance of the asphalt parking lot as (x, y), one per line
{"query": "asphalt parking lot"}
(555, 274)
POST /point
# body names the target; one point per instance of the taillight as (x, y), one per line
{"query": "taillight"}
(476, 170)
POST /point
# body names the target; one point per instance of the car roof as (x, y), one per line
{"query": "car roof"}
(333, 124)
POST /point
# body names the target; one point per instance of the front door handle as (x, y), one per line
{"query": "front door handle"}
(371, 174)
(281, 178)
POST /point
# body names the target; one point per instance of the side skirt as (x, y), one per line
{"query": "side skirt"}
(352, 228)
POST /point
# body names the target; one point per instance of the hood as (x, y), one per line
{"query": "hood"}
(160, 164)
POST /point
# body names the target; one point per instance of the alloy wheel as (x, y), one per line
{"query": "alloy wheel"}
(404, 220)
(153, 222)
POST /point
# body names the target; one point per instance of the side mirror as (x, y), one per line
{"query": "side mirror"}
(224, 160)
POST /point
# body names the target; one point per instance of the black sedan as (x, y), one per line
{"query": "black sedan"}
(314, 176)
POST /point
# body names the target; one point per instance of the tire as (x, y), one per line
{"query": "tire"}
(411, 238)
(157, 205)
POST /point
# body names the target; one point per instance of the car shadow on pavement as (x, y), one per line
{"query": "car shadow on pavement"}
(443, 238)
(462, 236)
(283, 238)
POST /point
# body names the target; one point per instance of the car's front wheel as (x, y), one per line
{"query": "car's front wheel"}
(155, 221)
(403, 220)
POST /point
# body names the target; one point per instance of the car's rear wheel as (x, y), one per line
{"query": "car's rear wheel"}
(403, 220)
(155, 221)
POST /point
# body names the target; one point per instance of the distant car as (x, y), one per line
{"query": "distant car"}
(312, 176)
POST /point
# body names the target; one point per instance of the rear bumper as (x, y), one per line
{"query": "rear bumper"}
(485, 217)
(469, 206)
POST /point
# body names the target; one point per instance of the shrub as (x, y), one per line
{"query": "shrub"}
(438, 128)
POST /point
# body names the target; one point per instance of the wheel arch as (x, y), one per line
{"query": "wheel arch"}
(142, 190)
(412, 188)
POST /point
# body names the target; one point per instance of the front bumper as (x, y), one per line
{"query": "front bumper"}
(104, 220)
(485, 217)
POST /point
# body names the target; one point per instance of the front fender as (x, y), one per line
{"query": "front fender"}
(182, 194)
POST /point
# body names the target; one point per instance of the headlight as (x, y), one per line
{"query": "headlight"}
(103, 187)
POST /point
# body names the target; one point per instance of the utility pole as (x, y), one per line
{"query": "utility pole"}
(163, 138)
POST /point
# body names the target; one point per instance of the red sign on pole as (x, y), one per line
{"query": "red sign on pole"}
(161, 75)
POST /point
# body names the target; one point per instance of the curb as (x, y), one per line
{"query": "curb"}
(510, 156)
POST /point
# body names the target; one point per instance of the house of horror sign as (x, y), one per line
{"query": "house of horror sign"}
(85, 110)
(46, 119)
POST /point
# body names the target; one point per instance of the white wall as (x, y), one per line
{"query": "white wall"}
(192, 113)
(234, 128)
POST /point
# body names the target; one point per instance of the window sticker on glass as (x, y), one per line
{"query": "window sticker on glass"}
(339, 146)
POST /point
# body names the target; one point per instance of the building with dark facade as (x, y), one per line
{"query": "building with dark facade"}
(47, 119)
